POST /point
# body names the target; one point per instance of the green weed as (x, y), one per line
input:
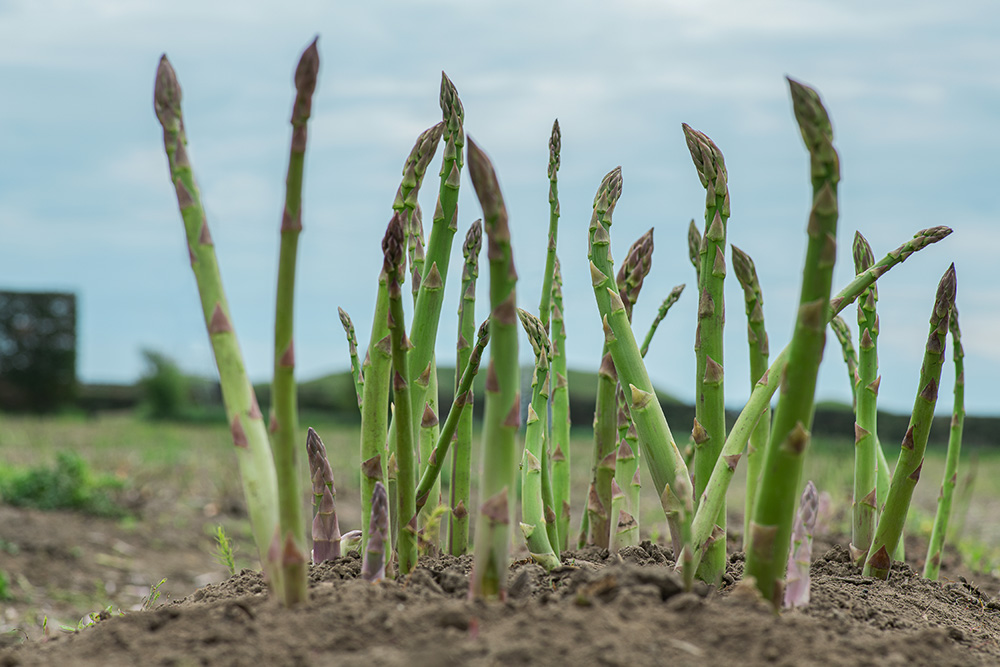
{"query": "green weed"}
(70, 484)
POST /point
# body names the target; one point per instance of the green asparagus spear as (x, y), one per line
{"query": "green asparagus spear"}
(932, 566)
(253, 452)
(746, 274)
(502, 417)
(559, 443)
(461, 469)
(605, 444)
(710, 408)
(911, 453)
(671, 299)
(545, 306)
(352, 346)
(844, 337)
(771, 525)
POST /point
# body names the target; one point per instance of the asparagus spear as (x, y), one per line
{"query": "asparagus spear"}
(461, 469)
(800, 556)
(325, 527)
(770, 528)
(605, 441)
(844, 337)
(352, 346)
(253, 452)
(911, 453)
(373, 565)
(866, 394)
(560, 416)
(502, 417)
(284, 405)
(394, 267)
(932, 565)
(710, 407)
(545, 306)
(534, 526)
(746, 274)
(668, 302)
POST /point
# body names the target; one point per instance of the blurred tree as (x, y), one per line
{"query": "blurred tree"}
(164, 386)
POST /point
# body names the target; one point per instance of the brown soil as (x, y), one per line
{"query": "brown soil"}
(599, 608)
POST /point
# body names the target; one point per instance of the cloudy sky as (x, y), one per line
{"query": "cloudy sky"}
(86, 204)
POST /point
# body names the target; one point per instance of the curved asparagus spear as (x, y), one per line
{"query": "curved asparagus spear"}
(746, 274)
(710, 407)
(534, 526)
(502, 417)
(866, 426)
(373, 565)
(911, 453)
(352, 347)
(560, 416)
(668, 302)
(461, 469)
(771, 524)
(844, 336)
(284, 405)
(253, 452)
(325, 527)
(932, 566)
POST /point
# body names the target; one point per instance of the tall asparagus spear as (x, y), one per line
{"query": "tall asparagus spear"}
(771, 525)
(560, 415)
(668, 302)
(932, 566)
(605, 445)
(325, 527)
(461, 469)
(284, 404)
(545, 306)
(866, 426)
(352, 347)
(746, 274)
(502, 417)
(373, 565)
(378, 360)
(911, 453)
(710, 407)
(534, 525)
(253, 452)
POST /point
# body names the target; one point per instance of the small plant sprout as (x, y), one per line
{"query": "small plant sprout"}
(225, 550)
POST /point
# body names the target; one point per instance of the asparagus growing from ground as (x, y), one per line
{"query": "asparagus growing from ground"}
(668, 302)
(461, 468)
(559, 398)
(373, 565)
(864, 512)
(800, 556)
(395, 268)
(352, 346)
(771, 525)
(325, 527)
(911, 453)
(746, 274)
(545, 306)
(284, 404)
(534, 526)
(502, 417)
(932, 565)
(378, 360)
(605, 444)
(246, 424)
(709, 431)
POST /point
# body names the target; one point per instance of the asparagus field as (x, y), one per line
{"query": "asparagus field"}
(647, 534)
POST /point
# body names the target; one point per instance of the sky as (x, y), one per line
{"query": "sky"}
(86, 203)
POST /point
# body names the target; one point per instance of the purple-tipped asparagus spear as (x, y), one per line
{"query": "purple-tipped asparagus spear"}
(325, 527)
(797, 582)
(373, 565)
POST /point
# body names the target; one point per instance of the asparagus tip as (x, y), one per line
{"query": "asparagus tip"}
(166, 92)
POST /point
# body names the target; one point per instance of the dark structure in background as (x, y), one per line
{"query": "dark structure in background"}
(37, 350)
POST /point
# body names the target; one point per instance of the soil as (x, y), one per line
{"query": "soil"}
(626, 608)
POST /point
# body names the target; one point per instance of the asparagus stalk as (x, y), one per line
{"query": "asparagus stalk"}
(545, 306)
(461, 469)
(253, 452)
(559, 442)
(725, 467)
(352, 346)
(373, 565)
(534, 526)
(770, 528)
(661, 313)
(664, 460)
(502, 417)
(463, 398)
(284, 404)
(844, 336)
(709, 431)
(605, 442)
(394, 267)
(800, 557)
(932, 565)
(911, 453)
(626, 527)
(325, 527)
(866, 395)
(378, 361)
(746, 274)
